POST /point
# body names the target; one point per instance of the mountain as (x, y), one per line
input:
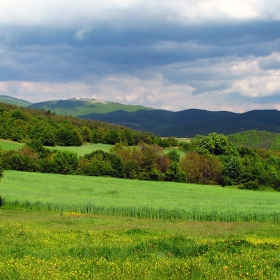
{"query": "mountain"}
(14, 101)
(191, 122)
(84, 106)
(186, 123)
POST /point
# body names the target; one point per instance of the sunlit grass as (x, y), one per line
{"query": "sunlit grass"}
(142, 199)
(10, 145)
(41, 245)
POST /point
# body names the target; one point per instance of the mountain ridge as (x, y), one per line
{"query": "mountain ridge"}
(184, 123)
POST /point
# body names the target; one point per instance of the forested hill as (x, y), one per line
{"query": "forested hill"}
(23, 124)
(191, 122)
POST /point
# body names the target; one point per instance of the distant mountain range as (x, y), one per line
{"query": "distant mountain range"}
(186, 123)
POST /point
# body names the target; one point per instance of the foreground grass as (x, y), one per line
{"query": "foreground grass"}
(44, 245)
(142, 199)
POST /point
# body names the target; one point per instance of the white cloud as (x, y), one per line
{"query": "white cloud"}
(84, 12)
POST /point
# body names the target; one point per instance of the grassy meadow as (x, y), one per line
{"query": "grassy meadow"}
(79, 227)
(45, 245)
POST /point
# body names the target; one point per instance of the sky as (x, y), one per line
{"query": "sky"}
(173, 55)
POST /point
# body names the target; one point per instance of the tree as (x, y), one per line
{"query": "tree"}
(216, 144)
(65, 162)
(203, 169)
(232, 170)
(1, 164)
(174, 156)
(111, 137)
(175, 173)
(86, 134)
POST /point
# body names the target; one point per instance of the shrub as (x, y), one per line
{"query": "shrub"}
(251, 185)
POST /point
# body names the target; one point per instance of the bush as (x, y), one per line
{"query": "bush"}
(251, 185)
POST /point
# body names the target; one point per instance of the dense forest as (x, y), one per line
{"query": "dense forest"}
(210, 159)
(24, 124)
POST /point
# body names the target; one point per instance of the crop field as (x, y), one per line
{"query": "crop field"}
(79, 227)
(142, 199)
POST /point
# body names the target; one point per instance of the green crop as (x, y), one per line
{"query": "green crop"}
(140, 199)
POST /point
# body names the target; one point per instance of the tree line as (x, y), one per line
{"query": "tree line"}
(210, 160)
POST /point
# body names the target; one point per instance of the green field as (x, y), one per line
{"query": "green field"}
(80, 150)
(9, 145)
(85, 149)
(111, 241)
(143, 199)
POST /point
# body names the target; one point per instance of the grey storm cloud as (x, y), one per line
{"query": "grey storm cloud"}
(139, 52)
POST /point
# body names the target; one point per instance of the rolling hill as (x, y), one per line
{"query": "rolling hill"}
(84, 106)
(14, 101)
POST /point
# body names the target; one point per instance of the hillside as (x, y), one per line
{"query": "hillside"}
(14, 101)
(256, 139)
(84, 106)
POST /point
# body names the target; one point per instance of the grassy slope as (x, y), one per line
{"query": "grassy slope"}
(14, 101)
(256, 139)
(76, 192)
(81, 107)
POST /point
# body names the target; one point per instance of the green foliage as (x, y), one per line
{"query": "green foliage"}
(19, 115)
(173, 156)
(111, 137)
(174, 173)
(38, 147)
(132, 169)
(216, 144)
(23, 124)
(251, 185)
(65, 162)
(21, 162)
(232, 171)
(1, 167)
(202, 169)
(67, 136)
(256, 139)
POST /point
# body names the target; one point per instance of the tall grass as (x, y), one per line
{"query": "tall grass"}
(141, 199)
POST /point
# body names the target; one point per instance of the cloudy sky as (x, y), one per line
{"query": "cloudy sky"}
(174, 55)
